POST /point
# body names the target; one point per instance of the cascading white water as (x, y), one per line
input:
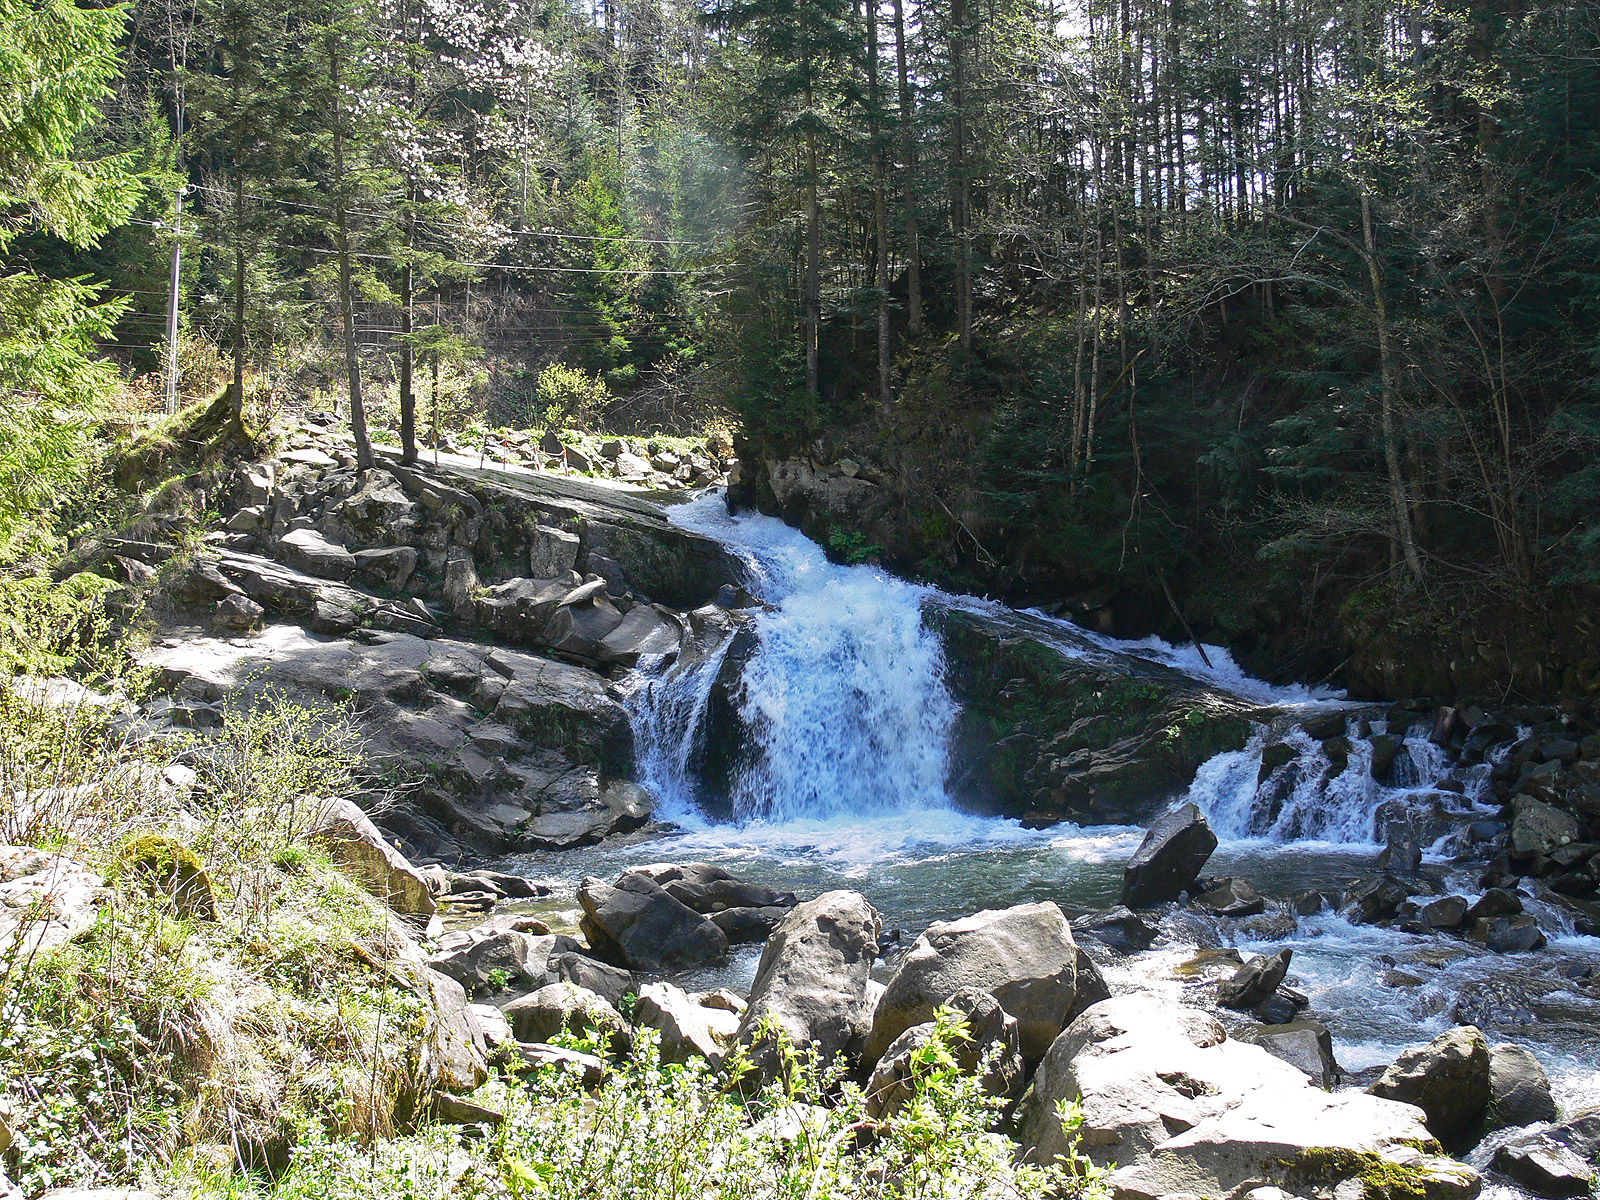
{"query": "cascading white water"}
(844, 694)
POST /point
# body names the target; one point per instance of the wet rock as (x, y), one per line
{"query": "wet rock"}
(1255, 981)
(1274, 756)
(708, 888)
(1396, 978)
(1024, 956)
(558, 706)
(991, 1043)
(558, 1007)
(1447, 913)
(745, 925)
(812, 981)
(1119, 928)
(1385, 746)
(1508, 935)
(1279, 1008)
(1232, 898)
(1448, 1079)
(603, 979)
(639, 925)
(644, 633)
(308, 551)
(687, 1029)
(1371, 900)
(1304, 1044)
(1169, 858)
(354, 844)
(1308, 904)
(1545, 1167)
(1538, 828)
(1182, 1109)
(1519, 1091)
(1496, 902)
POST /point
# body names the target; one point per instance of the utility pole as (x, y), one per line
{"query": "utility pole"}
(172, 300)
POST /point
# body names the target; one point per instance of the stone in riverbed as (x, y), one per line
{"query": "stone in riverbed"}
(1519, 1091)
(1024, 956)
(1169, 858)
(1232, 898)
(708, 888)
(1545, 1168)
(1119, 928)
(812, 981)
(687, 1029)
(1304, 1044)
(1508, 935)
(1448, 1079)
(638, 924)
(558, 1007)
(1255, 981)
(745, 925)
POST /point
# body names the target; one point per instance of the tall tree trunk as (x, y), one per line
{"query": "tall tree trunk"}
(408, 399)
(1388, 399)
(908, 167)
(880, 208)
(958, 171)
(352, 362)
(813, 285)
(237, 399)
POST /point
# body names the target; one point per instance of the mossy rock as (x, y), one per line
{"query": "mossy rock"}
(175, 871)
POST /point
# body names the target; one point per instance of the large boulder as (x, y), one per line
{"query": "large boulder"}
(687, 1028)
(558, 706)
(1023, 956)
(355, 845)
(644, 632)
(1178, 1107)
(708, 888)
(812, 981)
(454, 1055)
(581, 622)
(639, 925)
(990, 1046)
(1448, 1079)
(519, 609)
(1540, 829)
(1519, 1091)
(1169, 858)
(1304, 1044)
(563, 1007)
(603, 979)
(489, 958)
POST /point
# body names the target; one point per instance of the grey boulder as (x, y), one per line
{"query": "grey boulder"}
(989, 1050)
(639, 925)
(1169, 858)
(1255, 981)
(1448, 1079)
(1519, 1091)
(1023, 956)
(811, 985)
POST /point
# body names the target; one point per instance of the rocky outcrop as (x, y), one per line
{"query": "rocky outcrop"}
(1449, 1079)
(1169, 858)
(811, 986)
(1024, 957)
(1053, 729)
(1181, 1108)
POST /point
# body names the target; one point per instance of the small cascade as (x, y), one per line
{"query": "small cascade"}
(1287, 789)
(842, 701)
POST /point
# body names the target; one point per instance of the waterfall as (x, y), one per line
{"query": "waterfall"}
(843, 696)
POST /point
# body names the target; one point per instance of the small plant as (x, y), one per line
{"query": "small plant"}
(850, 546)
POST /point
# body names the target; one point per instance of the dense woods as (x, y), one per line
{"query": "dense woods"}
(1255, 318)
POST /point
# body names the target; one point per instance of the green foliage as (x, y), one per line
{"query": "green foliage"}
(46, 626)
(567, 396)
(850, 546)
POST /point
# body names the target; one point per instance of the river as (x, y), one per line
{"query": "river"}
(845, 788)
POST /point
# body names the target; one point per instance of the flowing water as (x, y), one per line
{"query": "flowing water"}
(845, 696)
